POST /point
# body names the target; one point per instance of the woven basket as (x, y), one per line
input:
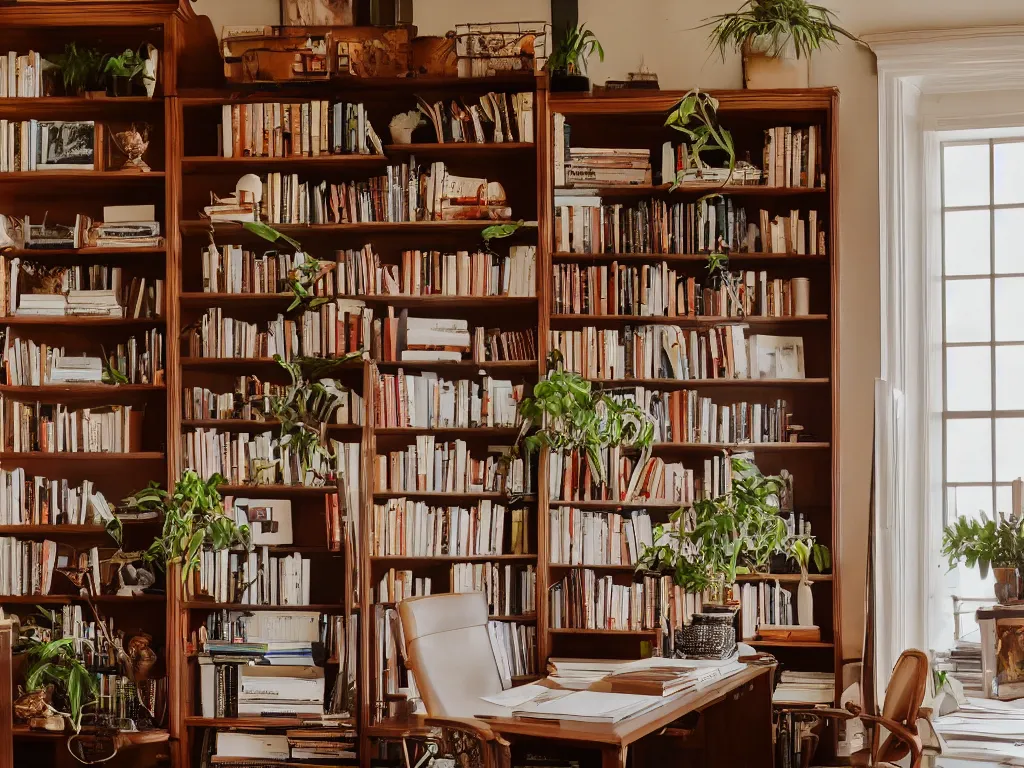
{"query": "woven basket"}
(710, 636)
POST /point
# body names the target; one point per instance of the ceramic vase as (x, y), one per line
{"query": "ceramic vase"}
(804, 602)
(762, 70)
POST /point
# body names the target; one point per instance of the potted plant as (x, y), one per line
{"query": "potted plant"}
(54, 663)
(125, 71)
(81, 70)
(696, 117)
(567, 63)
(193, 520)
(803, 550)
(776, 38)
(706, 546)
(985, 543)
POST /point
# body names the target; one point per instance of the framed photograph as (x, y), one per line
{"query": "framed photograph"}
(317, 13)
(66, 146)
(269, 520)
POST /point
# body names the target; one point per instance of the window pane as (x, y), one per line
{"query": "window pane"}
(968, 450)
(967, 310)
(969, 378)
(1009, 449)
(967, 243)
(968, 501)
(1004, 499)
(1010, 309)
(1009, 172)
(1009, 378)
(1009, 224)
(965, 175)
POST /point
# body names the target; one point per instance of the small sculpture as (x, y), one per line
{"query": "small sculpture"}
(141, 656)
(133, 143)
(132, 580)
(402, 125)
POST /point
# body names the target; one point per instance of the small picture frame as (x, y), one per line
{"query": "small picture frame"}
(66, 146)
(318, 13)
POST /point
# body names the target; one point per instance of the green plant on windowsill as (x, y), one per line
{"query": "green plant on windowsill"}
(706, 546)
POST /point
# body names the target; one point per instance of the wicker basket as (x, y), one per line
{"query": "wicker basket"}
(709, 636)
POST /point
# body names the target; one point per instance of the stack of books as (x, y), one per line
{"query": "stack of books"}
(678, 167)
(239, 206)
(42, 304)
(427, 400)
(964, 662)
(595, 167)
(21, 76)
(92, 304)
(76, 370)
(127, 226)
(306, 129)
(805, 688)
(407, 528)
(421, 339)
(448, 467)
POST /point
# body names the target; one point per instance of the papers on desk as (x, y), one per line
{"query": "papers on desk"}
(514, 697)
(588, 707)
(580, 674)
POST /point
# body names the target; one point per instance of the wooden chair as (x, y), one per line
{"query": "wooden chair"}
(446, 644)
(899, 715)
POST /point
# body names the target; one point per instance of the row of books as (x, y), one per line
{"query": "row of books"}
(254, 578)
(679, 165)
(494, 344)
(794, 156)
(58, 428)
(142, 298)
(445, 340)
(583, 223)
(644, 479)
(585, 537)
(498, 118)
(671, 352)
(88, 643)
(306, 129)
(426, 400)
(408, 528)
(515, 649)
(684, 416)
(250, 400)
(27, 363)
(250, 459)
(333, 329)
(428, 466)
(21, 76)
(584, 600)
(597, 166)
(511, 590)
(398, 584)
(28, 567)
(432, 273)
(232, 269)
(35, 500)
(764, 602)
(661, 290)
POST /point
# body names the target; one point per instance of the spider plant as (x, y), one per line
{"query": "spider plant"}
(55, 663)
(571, 52)
(80, 69)
(781, 23)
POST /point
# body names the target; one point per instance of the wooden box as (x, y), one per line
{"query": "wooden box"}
(372, 51)
(789, 633)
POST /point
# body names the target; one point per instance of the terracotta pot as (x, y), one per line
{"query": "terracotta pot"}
(1007, 586)
(762, 70)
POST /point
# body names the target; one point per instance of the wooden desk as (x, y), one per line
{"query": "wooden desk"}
(737, 727)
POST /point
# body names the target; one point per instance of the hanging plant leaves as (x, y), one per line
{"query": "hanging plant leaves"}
(270, 234)
(498, 231)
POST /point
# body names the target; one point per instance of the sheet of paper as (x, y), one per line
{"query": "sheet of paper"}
(514, 697)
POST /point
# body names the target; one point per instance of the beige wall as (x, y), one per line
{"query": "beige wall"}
(662, 33)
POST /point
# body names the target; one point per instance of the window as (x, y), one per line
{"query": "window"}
(982, 336)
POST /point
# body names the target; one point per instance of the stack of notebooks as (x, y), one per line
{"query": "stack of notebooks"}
(593, 167)
(805, 688)
(964, 662)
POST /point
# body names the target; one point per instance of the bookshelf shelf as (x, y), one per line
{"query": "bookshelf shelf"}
(84, 322)
(42, 253)
(277, 490)
(106, 600)
(81, 390)
(213, 163)
(448, 433)
(452, 302)
(108, 177)
(524, 617)
(248, 425)
(245, 363)
(696, 258)
(613, 505)
(209, 605)
(755, 447)
(711, 383)
(787, 644)
(464, 367)
(686, 322)
(453, 497)
(229, 229)
(608, 632)
(784, 577)
(412, 559)
(137, 456)
(591, 566)
(461, 148)
(735, 190)
(243, 722)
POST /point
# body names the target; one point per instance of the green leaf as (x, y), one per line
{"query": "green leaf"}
(497, 231)
(269, 234)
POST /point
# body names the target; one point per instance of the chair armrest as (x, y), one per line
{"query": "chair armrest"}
(478, 728)
(899, 730)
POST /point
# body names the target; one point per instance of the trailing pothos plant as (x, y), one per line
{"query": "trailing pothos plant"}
(500, 231)
(194, 519)
(704, 547)
(696, 117)
(573, 416)
(301, 279)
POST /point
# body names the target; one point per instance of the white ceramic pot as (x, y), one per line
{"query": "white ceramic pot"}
(804, 603)
(401, 135)
(762, 70)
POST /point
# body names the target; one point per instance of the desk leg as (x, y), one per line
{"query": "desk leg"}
(613, 757)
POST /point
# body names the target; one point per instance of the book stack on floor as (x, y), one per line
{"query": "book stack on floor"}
(964, 662)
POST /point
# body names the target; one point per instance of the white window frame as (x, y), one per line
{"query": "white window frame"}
(981, 66)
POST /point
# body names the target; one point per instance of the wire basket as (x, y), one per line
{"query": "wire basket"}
(492, 48)
(709, 636)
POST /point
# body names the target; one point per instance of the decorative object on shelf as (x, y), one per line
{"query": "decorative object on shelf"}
(402, 125)
(708, 636)
(802, 550)
(489, 48)
(572, 416)
(642, 79)
(318, 13)
(125, 71)
(194, 519)
(66, 146)
(133, 580)
(54, 663)
(997, 543)
(435, 56)
(133, 143)
(150, 69)
(81, 70)
(141, 656)
(777, 38)
(568, 61)
(706, 546)
(372, 51)
(704, 135)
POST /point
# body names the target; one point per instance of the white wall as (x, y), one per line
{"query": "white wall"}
(664, 34)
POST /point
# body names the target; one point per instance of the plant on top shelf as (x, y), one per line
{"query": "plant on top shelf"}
(193, 520)
(572, 416)
(705, 546)
(696, 117)
(983, 543)
(776, 38)
(568, 60)
(125, 70)
(81, 69)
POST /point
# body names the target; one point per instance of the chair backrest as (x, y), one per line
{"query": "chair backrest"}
(448, 648)
(903, 699)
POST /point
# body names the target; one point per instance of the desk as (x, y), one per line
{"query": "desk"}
(737, 727)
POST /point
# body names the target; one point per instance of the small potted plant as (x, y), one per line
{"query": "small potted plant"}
(81, 70)
(985, 543)
(568, 60)
(803, 550)
(125, 71)
(776, 38)
(53, 668)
